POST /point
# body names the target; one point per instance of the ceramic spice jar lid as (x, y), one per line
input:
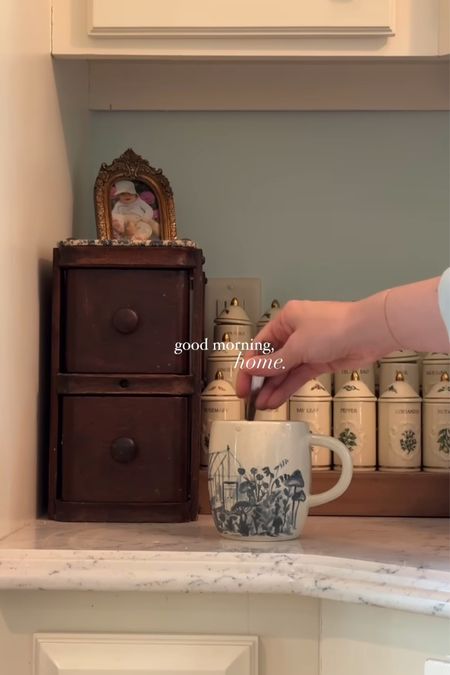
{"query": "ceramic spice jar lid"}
(366, 374)
(440, 392)
(312, 390)
(433, 365)
(233, 314)
(269, 314)
(219, 388)
(355, 389)
(400, 390)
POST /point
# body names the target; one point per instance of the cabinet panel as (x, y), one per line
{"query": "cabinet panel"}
(372, 640)
(126, 321)
(87, 654)
(125, 449)
(139, 18)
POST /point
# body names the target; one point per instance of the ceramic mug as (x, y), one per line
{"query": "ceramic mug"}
(259, 478)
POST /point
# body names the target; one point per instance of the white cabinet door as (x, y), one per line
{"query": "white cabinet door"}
(257, 18)
(125, 654)
(184, 29)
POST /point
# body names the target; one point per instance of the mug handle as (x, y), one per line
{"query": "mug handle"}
(346, 474)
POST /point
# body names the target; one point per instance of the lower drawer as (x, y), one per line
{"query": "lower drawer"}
(125, 449)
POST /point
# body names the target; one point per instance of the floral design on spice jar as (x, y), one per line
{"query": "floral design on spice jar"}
(408, 441)
(348, 438)
(255, 501)
(404, 440)
(318, 386)
(444, 441)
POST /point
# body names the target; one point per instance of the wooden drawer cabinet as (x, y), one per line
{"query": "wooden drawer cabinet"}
(125, 410)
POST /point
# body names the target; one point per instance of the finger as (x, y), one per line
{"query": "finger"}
(294, 380)
(271, 365)
(270, 385)
(243, 384)
(308, 370)
(243, 381)
(271, 332)
(274, 383)
(276, 332)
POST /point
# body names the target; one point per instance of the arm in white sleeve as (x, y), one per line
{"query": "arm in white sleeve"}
(415, 316)
(444, 298)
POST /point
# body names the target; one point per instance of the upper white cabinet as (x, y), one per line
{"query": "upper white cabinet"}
(249, 28)
(240, 18)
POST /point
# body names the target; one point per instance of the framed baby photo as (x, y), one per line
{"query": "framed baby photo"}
(133, 201)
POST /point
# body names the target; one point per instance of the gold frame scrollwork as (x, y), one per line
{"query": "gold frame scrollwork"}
(130, 166)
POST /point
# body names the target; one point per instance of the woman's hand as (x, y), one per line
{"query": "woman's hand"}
(317, 337)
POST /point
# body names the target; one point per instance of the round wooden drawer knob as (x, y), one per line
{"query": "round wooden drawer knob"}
(125, 320)
(123, 449)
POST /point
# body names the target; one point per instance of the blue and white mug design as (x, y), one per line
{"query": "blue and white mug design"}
(259, 477)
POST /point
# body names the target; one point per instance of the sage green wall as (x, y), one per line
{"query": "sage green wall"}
(317, 204)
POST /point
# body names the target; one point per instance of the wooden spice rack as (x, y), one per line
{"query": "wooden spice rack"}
(418, 494)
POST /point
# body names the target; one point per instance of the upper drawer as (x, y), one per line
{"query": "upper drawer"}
(126, 321)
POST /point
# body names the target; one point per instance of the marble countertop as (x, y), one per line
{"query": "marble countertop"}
(399, 563)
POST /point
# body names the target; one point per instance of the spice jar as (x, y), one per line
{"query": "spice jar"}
(223, 359)
(268, 315)
(235, 321)
(436, 426)
(218, 402)
(433, 365)
(403, 361)
(354, 422)
(366, 374)
(312, 404)
(399, 427)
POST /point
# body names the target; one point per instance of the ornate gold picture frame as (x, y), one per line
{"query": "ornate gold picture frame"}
(133, 201)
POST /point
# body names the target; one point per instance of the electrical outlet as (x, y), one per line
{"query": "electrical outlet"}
(221, 290)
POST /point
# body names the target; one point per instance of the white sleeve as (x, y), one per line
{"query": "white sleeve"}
(444, 298)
